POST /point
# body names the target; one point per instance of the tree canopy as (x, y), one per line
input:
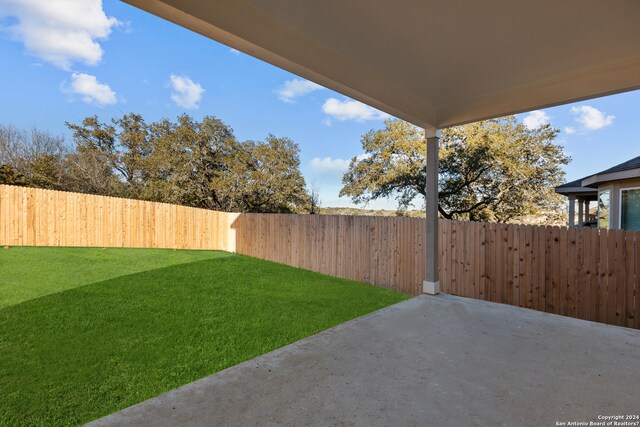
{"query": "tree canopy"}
(493, 170)
(191, 162)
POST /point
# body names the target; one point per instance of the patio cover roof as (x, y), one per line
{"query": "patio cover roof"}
(434, 63)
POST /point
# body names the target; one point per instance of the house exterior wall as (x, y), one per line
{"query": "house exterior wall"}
(615, 187)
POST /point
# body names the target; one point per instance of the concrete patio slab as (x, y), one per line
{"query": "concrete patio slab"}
(437, 361)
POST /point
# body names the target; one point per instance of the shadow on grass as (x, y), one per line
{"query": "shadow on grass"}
(80, 354)
(28, 273)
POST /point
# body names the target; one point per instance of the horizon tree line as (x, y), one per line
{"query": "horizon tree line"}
(494, 170)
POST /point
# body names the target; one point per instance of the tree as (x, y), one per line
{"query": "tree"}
(314, 199)
(135, 150)
(10, 176)
(121, 147)
(88, 172)
(192, 162)
(33, 157)
(494, 170)
(202, 164)
(189, 160)
(267, 178)
(161, 184)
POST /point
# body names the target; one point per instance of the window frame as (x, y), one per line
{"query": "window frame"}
(620, 204)
(610, 191)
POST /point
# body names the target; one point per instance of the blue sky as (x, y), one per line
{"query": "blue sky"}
(64, 60)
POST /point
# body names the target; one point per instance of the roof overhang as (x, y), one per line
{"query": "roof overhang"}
(434, 63)
(575, 190)
(581, 193)
(595, 180)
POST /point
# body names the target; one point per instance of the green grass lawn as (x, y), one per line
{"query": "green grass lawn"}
(85, 332)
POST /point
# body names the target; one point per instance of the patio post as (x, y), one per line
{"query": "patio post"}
(431, 284)
(572, 211)
(586, 211)
(580, 212)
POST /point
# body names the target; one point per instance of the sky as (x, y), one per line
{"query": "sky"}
(64, 60)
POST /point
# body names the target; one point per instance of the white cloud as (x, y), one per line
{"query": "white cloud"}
(292, 89)
(591, 118)
(327, 121)
(90, 90)
(536, 119)
(569, 130)
(352, 110)
(234, 51)
(328, 165)
(186, 93)
(331, 166)
(59, 31)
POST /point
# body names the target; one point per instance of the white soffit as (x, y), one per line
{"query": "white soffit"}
(434, 63)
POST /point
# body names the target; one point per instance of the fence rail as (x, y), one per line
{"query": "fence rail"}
(583, 273)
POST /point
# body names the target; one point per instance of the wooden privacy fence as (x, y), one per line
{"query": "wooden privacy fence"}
(36, 217)
(383, 251)
(583, 273)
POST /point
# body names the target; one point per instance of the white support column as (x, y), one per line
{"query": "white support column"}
(431, 284)
(580, 213)
(572, 211)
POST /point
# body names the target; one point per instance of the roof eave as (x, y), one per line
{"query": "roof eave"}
(595, 180)
(566, 191)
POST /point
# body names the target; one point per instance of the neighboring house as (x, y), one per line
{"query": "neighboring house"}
(617, 192)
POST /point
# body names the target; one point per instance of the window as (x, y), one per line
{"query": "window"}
(603, 208)
(630, 209)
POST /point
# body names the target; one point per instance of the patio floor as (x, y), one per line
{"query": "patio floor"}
(440, 360)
